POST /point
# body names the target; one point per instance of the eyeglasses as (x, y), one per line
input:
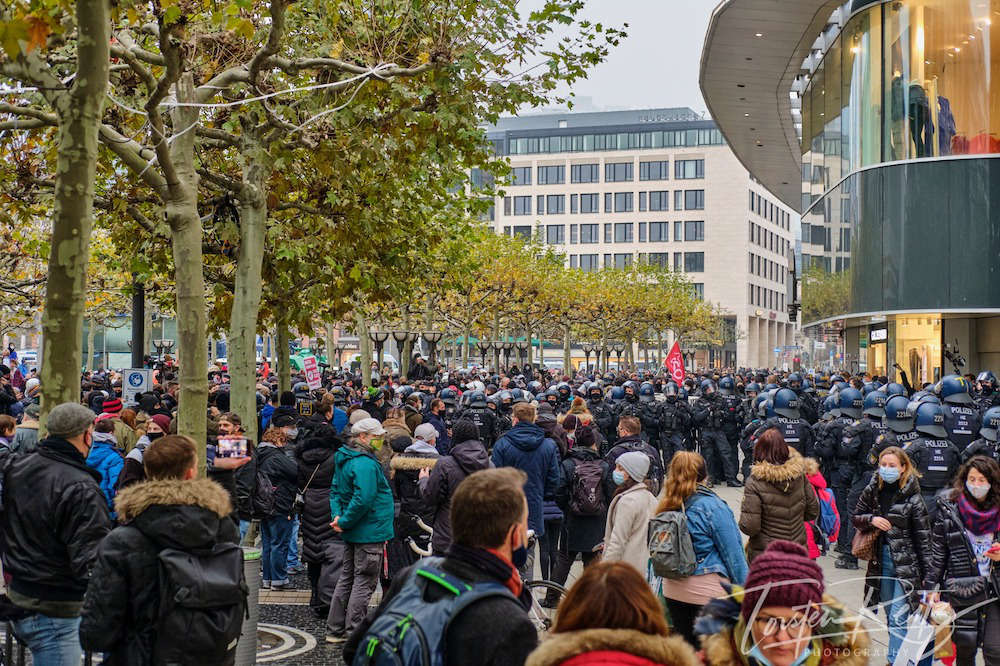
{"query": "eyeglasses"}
(793, 626)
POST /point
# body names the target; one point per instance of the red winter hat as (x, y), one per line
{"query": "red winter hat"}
(785, 576)
(112, 406)
(161, 420)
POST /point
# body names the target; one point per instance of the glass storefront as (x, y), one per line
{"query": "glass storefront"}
(908, 79)
(911, 341)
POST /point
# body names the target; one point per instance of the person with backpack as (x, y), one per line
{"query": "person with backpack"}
(526, 447)
(778, 500)
(630, 439)
(718, 557)
(363, 511)
(176, 531)
(581, 496)
(625, 533)
(106, 458)
(468, 608)
(822, 532)
(438, 485)
(277, 471)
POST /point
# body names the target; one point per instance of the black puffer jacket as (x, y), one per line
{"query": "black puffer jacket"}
(951, 559)
(283, 473)
(464, 459)
(121, 608)
(909, 537)
(54, 518)
(582, 533)
(316, 455)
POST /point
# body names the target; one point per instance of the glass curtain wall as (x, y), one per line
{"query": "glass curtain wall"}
(904, 80)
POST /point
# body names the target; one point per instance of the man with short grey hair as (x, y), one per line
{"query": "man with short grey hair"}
(53, 519)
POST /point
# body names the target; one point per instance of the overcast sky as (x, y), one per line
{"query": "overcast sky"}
(657, 65)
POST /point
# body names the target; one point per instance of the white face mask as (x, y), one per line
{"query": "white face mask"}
(979, 492)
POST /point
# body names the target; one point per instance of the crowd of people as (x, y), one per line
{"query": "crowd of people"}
(443, 489)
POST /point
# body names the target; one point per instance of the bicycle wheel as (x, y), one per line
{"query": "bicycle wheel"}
(545, 599)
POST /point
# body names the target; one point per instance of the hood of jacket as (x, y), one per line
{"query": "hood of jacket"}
(347, 453)
(583, 454)
(419, 455)
(558, 648)
(779, 474)
(314, 451)
(841, 641)
(525, 436)
(175, 513)
(470, 455)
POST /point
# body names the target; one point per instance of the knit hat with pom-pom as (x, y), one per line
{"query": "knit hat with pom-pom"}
(784, 576)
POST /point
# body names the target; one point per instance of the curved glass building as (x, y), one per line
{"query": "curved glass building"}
(880, 123)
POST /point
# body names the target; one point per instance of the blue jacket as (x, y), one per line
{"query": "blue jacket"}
(361, 496)
(718, 545)
(526, 447)
(108, 461)
(266, 413)
(443, 441)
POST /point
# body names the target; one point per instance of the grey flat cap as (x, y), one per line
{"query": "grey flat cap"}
(69, 420)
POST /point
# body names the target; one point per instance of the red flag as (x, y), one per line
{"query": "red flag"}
(674, 363)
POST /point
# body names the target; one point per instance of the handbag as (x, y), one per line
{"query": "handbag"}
(967, 590)
(863, 544)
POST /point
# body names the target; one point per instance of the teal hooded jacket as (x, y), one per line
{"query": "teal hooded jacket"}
(361, 496)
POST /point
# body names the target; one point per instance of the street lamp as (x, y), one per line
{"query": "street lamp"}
(162, 346)
(484, 347)
(379, 338)
(506, 346)
(522, 348)
(432, 338)
(618, 348)
(587, 348)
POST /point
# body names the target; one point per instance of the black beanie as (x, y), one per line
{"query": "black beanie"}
(463, 431)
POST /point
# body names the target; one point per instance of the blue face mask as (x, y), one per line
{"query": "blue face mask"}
(758, 656)
(618, 477)
(889, 474)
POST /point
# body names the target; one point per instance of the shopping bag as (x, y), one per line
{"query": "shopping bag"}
(919, 634)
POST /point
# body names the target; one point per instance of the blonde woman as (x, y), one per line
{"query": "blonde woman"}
(892, 506)
(714, 534)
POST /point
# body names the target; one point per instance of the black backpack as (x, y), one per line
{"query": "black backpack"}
(203, 600)
(262, 496)
(587, 490)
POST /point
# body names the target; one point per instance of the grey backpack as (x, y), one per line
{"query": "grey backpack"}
(671, 551)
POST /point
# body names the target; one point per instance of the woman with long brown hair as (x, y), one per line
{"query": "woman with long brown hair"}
(892, 506)
(610, 616)
(778, 499)
(715, 537)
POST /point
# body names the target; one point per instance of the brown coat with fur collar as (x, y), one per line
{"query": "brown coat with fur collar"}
(672, 650)
(721, 650)
(777, 500)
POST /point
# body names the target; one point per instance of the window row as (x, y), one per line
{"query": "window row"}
(618, 232)
(765, 268)
(768, 239)
(614, 202)
(614, 172)
(617, 141)
(765, 298)
(769, 211)
(689, 262)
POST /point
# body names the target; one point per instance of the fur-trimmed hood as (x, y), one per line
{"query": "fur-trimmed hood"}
(412, 462)
(672, 650)
(175, 513)
(793, 468)
(846, 645)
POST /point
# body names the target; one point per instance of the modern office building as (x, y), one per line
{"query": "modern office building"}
(880, 123)
(658, 185)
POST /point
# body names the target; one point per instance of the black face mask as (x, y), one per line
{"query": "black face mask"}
(153, 436)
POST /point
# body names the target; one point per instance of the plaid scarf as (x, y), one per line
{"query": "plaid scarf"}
(978, 521)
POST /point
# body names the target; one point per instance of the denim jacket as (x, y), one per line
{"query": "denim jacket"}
(718, 544)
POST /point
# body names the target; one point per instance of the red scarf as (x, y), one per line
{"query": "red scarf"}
(514, 583)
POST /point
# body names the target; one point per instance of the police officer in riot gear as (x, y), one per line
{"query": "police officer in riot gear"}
(484, 418)
(565, 394)
(675, 422)
(987, 396)
(898, 421)
(807, 403)
(735, 417)
(934, 456)
(961, 414)
(788, 420)
(709, 414)
(856, 445)
(987, 444)
(603, 413)
(629, 405)
(649, 415)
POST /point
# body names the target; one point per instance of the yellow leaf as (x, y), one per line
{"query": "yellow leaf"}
(424, 58)
(337, 49)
